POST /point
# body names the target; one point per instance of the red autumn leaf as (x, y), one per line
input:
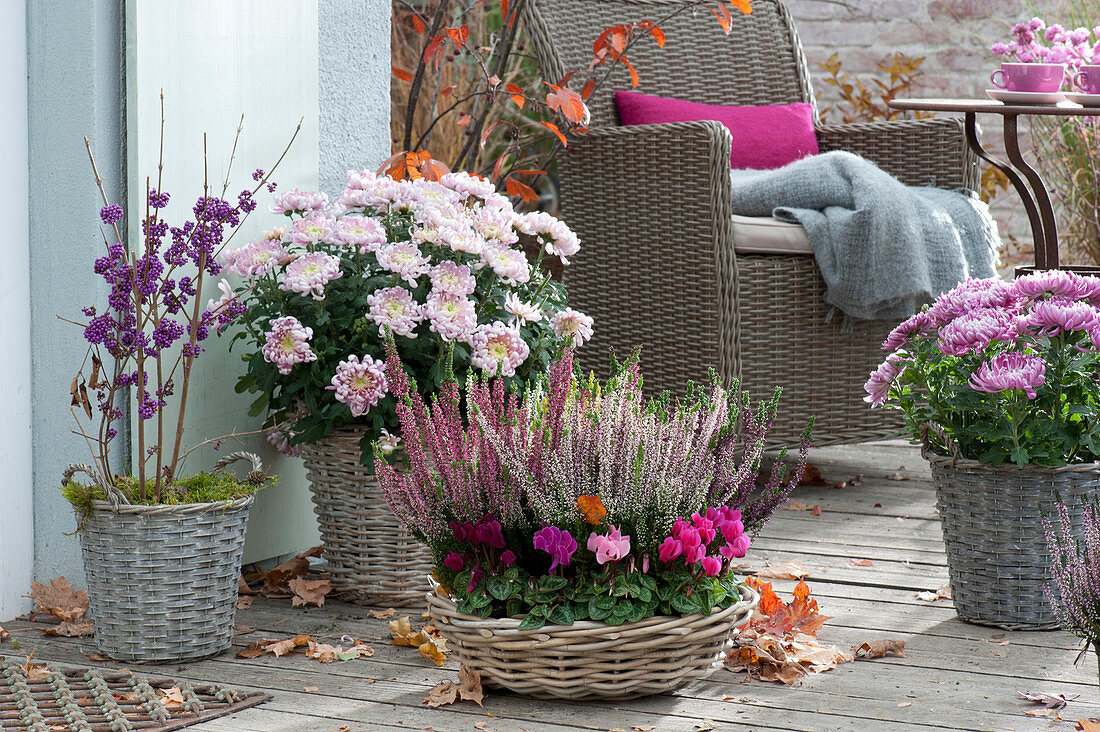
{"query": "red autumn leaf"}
(724, 17)
(517, 95)
(464, 118)
(633, 72)
(499, 165)
(434, 48)
(418, 24)
(745, 6)
(800, 615)
(554, 128)
(565, 79)
(446, 91)
(589, 87)
(531, 171)
(460, 34)
(612, 42)
(567, 103)
(413, 166)
(769, 601)
(657, 33)
(401, 74)
(524, 191)
(485, 135)
(504, 11)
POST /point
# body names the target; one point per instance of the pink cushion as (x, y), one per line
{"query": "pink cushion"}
(763, 137)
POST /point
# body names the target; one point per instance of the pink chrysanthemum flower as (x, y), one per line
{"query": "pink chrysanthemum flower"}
(404, 259)
(882, 378)
(1051, 317)
(559, 239)
(361, 233)
(394, 308)
(510, 265)
(921, 322)
(572, 324)
(255, 258)
(971, 295)
(495, 225)
(281, 441)
(468, 185)
(976, 329)
(309, 273)
(1010, 371)
(1090, 285)
(287, 344)
(313, 230)
(215, 306)
(1051, 282)
(296, 201)
(449, 278)
(522, 312)
(498, 349)
(462, 240)
(454, 318)
(359, 384)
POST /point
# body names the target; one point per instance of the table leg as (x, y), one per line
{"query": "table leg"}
(1033, 215)
(1039, 189)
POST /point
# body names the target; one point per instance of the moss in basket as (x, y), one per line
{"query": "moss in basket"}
(198, 488)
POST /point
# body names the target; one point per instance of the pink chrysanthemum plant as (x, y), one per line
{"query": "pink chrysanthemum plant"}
(1008, 370)
(443, 266)
(573, 500)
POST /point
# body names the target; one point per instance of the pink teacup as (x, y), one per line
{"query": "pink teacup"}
(1088, 79)
(1044, 78)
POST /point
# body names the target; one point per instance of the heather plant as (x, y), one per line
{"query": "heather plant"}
(578, 500)
(1074, 589)
(439, 265)
(143, 343)
(1009, 371)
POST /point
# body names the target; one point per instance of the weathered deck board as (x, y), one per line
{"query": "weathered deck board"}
(956, 675)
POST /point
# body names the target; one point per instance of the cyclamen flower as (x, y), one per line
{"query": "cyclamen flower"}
(921, 322)
(522, 312)
(498, 349)
(403, 259)
(287, 344)
(610, 548)
(976, 329)
(299, 201)
(359, 384)
(559, 544)
(361, 233)
(572, 324)
(711, 566)
(255, 258)
(394, 308)
(452, 279)
(1010, 371)
(510, 265)
(670, 549)
(454, 562)
(882, 378)
(309, 273)
(1051, 317)
(453, 318)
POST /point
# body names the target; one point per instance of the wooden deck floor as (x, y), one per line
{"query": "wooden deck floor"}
(956, 676)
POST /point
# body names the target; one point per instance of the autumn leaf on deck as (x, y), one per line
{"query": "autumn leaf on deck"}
(243, 588)
(59, 599)
(430, 648)
(170, 698)
(35, 672)
(943, 593)
(277, 578)
(880, 649)
(309, 592)
(799, 616)
(468, 688)
(383, 614)
(861, 562)
(322, 652)
(786, 570)
(4, 634)
(243, 603)
(811, 476)
(68, 629)
(1050, 701)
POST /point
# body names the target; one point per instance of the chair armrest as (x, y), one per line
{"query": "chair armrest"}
(651, 205)
(917, 152)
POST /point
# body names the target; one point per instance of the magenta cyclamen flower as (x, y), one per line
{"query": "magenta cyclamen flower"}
(610, 548)
(359, 384)
(394, 308)
(559, 544)
(498, 349)
(976, 329)
(309, 273)
(882, 378)
(670, 549)
(711, 566)
(454, 562)
(1010, 371)
(287, 344)
(1051, 317)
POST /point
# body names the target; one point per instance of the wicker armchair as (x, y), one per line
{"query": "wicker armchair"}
(664, 265)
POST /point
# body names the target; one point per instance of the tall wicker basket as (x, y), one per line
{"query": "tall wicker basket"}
(591, 660)
(372, 559)
(162, 580)
(992, 527)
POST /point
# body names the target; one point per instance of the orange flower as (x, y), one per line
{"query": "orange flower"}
(591, 507)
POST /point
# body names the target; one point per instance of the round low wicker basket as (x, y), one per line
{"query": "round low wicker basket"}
(590, 659)
(372, 560)
(162, 580)
(997, 555)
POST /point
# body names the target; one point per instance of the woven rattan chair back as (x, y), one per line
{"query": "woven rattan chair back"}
(759, 62)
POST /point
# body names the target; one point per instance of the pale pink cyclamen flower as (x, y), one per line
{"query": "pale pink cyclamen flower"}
(279, 439)
(255, 258)
(918, 323)
(1010, 371)
(971, 295)
(313, 230)
(359, 384)
(1056, 282)
(573, 324)
(1051, 317)
(498, 349)
(510, 265)
(361, 233)
(610, 548)
(522, 312)
(404, 259)
(287, 344)
(450, 278)
(976, 329)
(309, 273)
(882, 378)
(299, 201)
(454, 318)
(394, 308)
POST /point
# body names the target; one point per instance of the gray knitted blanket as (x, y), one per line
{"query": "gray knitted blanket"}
(884, 248)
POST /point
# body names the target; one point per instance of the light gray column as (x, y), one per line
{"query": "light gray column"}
(75, 88)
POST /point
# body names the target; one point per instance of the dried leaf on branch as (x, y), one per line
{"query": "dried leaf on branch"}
(59, 599)
(431, 648)
(468, 688)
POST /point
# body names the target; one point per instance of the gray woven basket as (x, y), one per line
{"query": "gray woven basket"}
(162, 580)
(372, 560)
(992, 528)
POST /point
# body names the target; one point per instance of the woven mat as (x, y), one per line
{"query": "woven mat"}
(53, 698)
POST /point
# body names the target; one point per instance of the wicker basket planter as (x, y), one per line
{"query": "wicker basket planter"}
(162, 580)
(996, 550)
(372, 560)
(589, 659)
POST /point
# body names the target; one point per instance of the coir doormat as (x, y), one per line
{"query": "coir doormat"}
(54, 698)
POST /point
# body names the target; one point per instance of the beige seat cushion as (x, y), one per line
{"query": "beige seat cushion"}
(767, 235)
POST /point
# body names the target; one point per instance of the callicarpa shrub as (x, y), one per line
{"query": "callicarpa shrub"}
(1074, 589)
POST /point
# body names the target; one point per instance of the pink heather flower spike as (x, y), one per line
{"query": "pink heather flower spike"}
(287, 344)
(573, 324)
(309, 273)
(498, 349)
(394, 308)
(1010, 371)
(359, 384)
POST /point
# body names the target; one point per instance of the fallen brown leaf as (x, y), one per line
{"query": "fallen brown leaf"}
(4, 634)
(35, 672)
(311, 688)
(243, 629)
(897, 476)
(786, 570)
(68, 629)
(1088, 725)
(322, 652)
(943, 593)
(861, 562)
(468, 688)
(282, 647)
(811, 476)
(642, 727)
(255, 649)
(277, 578)
(170, 698)
(483, 727)
(97, 658)
(383, 614)
(815, 511)
(309, 592)
(244, 602)
(1050, 701)
(430, 648)
(59, 599)
(793, 505)
(905, 704)
(879, 649)
(1038, 712)
(243, 588)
